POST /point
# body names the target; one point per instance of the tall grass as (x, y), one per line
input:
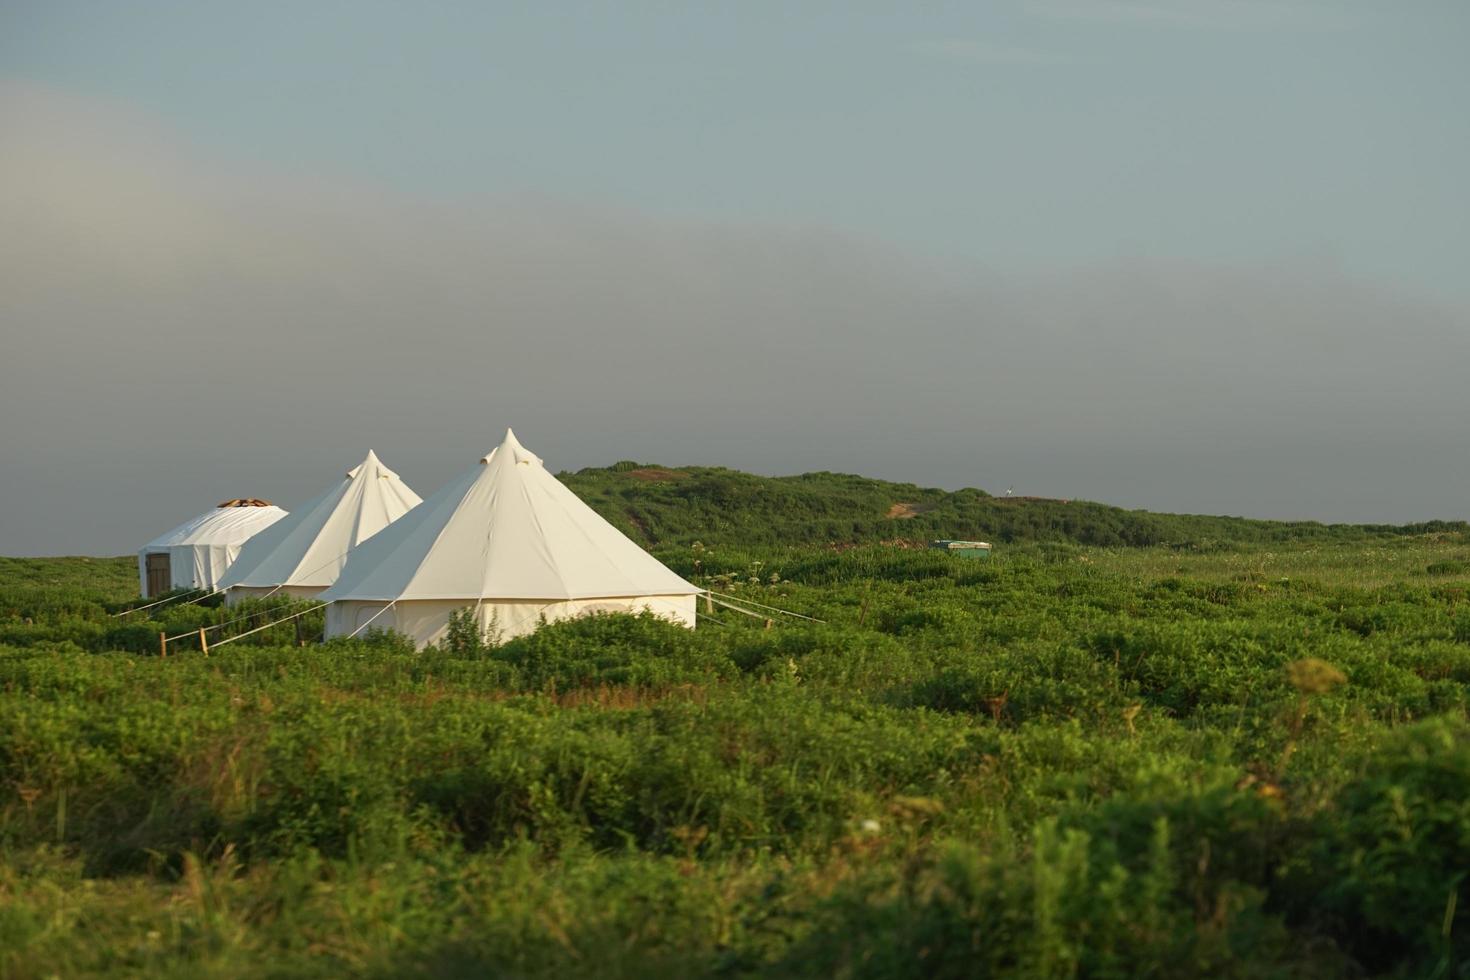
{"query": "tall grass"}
(1068, 761)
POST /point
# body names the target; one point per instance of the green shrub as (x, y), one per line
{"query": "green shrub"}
(1457, 566)
(612, 648)
(1227, 758)
(1060, 906)
(1390, 859)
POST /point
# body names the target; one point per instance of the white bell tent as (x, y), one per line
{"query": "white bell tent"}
(196, 554)
(302, 555)
(508, 540)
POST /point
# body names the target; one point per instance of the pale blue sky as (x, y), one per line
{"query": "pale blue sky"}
(1008, 133)
(1199, 255)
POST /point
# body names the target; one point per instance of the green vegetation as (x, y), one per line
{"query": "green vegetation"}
(662, 506)
(1241, 752)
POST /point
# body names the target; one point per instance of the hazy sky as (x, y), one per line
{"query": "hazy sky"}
(1200, 255)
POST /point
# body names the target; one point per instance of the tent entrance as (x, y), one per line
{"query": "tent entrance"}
(160, 578)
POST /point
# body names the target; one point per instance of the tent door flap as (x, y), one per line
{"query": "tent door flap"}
(160, 579)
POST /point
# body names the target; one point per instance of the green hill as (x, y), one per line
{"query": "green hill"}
(662, 506)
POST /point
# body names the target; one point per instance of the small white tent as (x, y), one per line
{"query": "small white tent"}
(510, 541)
(302, 554)
(195, 554)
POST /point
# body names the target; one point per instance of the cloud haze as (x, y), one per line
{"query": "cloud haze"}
(1213, 14)
(178, 331)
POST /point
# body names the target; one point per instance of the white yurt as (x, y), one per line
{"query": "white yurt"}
(507, 539)
(195, 554)
(302, 554)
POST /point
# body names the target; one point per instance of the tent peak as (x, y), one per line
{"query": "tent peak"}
(307, 549)
(370, 461)
(511, 448)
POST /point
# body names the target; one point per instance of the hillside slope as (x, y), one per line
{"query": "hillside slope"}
(677, 506)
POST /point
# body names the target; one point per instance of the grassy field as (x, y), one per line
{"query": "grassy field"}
(1211, 755)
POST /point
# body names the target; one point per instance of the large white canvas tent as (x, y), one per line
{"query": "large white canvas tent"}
(508, 540)
(302, 554)
(196, 554)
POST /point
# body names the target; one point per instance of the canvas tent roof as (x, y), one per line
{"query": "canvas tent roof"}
(232, 522)
(201, 549)
(309, 547)
(504, 529)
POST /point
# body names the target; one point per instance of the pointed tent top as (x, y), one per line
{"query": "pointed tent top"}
(371, 462)
(511, 448)
(506, 530)
(309, 547)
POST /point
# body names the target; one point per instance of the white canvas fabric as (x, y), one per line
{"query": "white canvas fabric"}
(202, 549)
(509, 535)
(303, 554)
